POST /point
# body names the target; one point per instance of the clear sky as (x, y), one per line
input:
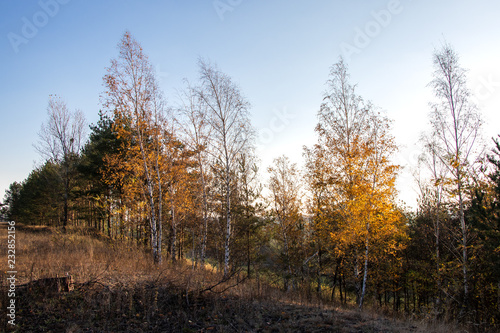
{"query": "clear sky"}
(278, 51)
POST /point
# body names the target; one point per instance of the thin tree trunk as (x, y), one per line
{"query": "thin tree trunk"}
(318, 289)
(344, 283)
(356, 278)
(150, 193)
(174, 232)
(153, 224)
(462, 222)
(287, 254)
(365, 269)
(228, 226)
(204, 239)
(248, 251)
(160, 233)
(109, 216)
(160, 207)
(464, 252)
(438, 260)
(66, 195)
(205, 216)
(337, 277)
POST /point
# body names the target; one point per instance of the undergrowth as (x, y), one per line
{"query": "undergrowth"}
(119, 289)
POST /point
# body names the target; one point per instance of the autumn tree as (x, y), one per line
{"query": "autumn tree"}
(285, 210)
(231, 134)
(60, 141)
(355, 147)
(320, 205)
(178, 159)
(133, 96)
(456, 125)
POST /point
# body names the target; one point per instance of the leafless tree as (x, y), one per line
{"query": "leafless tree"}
(456, 124)
(60, 140)
(196, 127)
(231, 133)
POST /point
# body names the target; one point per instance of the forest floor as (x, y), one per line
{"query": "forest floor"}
(118, 289)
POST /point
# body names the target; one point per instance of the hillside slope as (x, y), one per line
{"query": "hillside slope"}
(117, 290)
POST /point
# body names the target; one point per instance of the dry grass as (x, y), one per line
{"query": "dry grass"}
(118, 289)
(45, 252)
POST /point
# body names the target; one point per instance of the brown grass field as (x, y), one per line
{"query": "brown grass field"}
(118, 289)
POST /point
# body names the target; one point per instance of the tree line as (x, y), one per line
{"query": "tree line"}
(184, 182)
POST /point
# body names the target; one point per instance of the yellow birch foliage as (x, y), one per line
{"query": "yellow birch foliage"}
(352, 175)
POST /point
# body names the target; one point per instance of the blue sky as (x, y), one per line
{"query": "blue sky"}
(279, 52)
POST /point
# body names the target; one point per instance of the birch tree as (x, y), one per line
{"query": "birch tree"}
(133, 95)
(355, 147)
(456, 124)
(196, 127)
(231, 134)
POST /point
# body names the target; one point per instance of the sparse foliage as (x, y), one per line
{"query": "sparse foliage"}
(231, 134)
(456, 125)
(60, 141)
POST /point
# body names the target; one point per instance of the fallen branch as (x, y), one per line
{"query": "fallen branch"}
(222, 281)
